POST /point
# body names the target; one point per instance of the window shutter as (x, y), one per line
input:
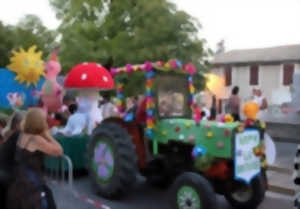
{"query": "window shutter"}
(288, 72)
(228, 74)
(254, 75)
(220, 106)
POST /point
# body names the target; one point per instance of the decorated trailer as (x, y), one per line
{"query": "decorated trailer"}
(171, 148)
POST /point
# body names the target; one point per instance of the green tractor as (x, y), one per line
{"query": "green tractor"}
(197, 159)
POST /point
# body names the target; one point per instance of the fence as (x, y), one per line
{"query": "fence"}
(60, 168)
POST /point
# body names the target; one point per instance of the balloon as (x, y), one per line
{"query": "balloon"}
(52, 92)
(251, 110)
(28, 65)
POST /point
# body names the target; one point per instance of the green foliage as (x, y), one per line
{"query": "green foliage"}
(117, 32)
(6, 44)
(29, 31)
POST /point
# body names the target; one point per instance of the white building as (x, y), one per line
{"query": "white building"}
(270, 69)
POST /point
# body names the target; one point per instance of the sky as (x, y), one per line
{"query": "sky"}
(241, 23)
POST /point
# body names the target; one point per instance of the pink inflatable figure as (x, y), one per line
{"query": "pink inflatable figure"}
(52, 92)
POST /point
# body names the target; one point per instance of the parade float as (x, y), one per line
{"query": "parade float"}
(173, 146)
(197, 157)
(87, 79)
(23, 75)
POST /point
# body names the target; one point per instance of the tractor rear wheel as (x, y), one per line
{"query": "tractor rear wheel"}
(112, 160)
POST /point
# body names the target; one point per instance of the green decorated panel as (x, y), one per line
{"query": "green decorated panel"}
(215, 137)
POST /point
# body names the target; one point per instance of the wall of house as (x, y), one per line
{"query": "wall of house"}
(270, 82)
(297, 67)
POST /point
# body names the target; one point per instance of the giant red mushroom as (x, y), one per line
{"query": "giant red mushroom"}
(89, 76)
(89, 79)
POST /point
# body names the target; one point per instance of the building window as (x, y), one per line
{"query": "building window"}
(288, 71)
(228, 76)
(254, 75)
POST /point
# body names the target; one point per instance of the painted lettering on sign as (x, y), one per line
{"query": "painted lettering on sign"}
(247, 164)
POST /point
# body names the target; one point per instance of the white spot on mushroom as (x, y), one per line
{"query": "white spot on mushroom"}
(105, 79)
(98, 65)
(83, 76)
(85, 63)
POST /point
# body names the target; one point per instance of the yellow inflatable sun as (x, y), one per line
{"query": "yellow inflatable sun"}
(28, 65)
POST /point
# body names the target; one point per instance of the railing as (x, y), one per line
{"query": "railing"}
(60, 168)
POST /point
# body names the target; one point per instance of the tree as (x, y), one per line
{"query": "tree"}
(117, 32)
(29, 31)
(127, 31)
(6, 44)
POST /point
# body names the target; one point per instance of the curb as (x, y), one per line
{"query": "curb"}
(281, 190)
(280, 169)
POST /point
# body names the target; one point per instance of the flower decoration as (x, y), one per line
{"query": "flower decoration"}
(240, 128)
(167, 66)
(160, 63)
(173, 64)
(149, 68)
(264, 162)
(149, 99)
(228, 118)
(259, 150)
(249, 122)
(190, 68)
(263, 125)
(129, 68)
(120, 96)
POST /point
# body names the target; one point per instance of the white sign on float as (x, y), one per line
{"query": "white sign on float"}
(247, 164)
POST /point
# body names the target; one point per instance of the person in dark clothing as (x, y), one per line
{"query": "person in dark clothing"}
(3, 124)
(72, 108)
(234, 104)
(29, 187)
(61, 118)
(7, 155)
(213, 109)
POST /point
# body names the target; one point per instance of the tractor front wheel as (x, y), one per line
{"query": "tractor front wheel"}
(246, 196)
(191, 190)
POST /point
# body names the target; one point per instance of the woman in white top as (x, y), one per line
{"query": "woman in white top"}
(261, 101)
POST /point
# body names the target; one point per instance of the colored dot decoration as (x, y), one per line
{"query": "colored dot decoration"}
(209, 134)
(220, 144)
(191, 139)
(226, 132)
(177, 129)
(188, 125)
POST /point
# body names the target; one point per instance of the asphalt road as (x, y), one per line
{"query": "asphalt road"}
(143, 196)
